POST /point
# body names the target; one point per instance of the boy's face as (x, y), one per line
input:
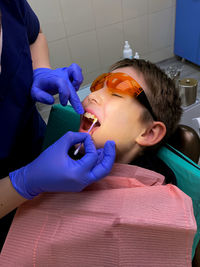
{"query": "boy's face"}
(118, 116)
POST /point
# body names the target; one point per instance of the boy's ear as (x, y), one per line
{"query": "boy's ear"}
(152, 135)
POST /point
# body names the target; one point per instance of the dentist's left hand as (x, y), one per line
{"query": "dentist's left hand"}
(55, 171)
(63, 81)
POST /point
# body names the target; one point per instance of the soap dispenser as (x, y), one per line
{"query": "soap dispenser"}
(127, 51)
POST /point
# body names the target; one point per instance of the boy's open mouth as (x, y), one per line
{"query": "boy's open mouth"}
(87, 120)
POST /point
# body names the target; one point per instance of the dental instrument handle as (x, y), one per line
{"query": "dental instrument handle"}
(78, 148)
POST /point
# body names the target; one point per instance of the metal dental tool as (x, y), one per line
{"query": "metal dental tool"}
(78, 148)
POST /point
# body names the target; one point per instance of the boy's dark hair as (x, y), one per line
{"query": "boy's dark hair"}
(162, 94)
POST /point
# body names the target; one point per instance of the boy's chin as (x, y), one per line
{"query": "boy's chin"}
(97, 144)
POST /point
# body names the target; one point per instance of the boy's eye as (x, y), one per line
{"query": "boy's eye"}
(113, 94)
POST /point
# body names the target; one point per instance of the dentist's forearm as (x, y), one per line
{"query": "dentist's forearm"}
(9, 198)
(40, 53)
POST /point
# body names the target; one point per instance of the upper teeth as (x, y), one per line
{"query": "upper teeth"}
(90, 116)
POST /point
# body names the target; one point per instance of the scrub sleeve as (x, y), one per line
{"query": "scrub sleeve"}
(22, 128)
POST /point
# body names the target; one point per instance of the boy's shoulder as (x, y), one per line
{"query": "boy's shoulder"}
(149, 160)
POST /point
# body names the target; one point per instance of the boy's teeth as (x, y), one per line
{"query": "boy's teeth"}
(89, 115)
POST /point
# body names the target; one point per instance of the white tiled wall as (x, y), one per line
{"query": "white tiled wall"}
(92, 32)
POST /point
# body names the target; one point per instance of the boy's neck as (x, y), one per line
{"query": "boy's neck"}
(128, 156)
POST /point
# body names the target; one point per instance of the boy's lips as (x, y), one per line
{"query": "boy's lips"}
(89, 110)
(87, 120)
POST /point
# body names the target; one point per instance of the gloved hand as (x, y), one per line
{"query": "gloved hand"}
(65, 81)
(55, 171)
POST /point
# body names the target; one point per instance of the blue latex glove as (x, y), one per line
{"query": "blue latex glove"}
(55, 171)
(65, 81)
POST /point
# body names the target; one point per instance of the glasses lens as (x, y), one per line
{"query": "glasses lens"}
(122, 83)
(98, 83)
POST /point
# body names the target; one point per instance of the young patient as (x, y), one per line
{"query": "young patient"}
(138, 107)
(132, 217)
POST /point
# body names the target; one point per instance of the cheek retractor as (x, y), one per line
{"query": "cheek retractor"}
(78, 148)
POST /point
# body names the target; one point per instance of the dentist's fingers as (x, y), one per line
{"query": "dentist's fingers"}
(75, 75)
(104, 167)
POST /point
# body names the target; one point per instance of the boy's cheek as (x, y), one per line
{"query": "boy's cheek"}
(99, 138)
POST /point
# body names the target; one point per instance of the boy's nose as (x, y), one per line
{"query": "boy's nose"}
(96, 97)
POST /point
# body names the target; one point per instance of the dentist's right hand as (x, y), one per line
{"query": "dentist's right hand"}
(55, 171)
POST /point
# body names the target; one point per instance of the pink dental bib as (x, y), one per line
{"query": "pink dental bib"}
(130, 218)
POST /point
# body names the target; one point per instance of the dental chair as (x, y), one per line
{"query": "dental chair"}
(186, 144)
(186, 140)
(181, 154)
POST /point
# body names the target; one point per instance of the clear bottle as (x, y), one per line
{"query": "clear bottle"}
(127, 51)
(137, 56)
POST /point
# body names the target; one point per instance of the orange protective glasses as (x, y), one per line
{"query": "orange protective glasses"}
(122, 83)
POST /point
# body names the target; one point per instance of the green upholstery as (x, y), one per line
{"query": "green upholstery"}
(188, 180)
(63, 119)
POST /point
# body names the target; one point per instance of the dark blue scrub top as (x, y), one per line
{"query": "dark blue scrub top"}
(21, 127)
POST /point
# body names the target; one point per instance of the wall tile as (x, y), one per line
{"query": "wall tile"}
(59, 53)
(161, 54)
(110, 40)
(44, 110)
(157, 5)
(173, 11)
(134, 8)
(136, 32)
(144, 56)
(173, 2)
(90, 76)
(107, 12)
(78, 16)
(84, 51)
(160, 29)
(50, 17)
(92, 32)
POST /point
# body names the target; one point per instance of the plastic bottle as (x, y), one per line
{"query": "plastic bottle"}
(136, 55)
(127, 51)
